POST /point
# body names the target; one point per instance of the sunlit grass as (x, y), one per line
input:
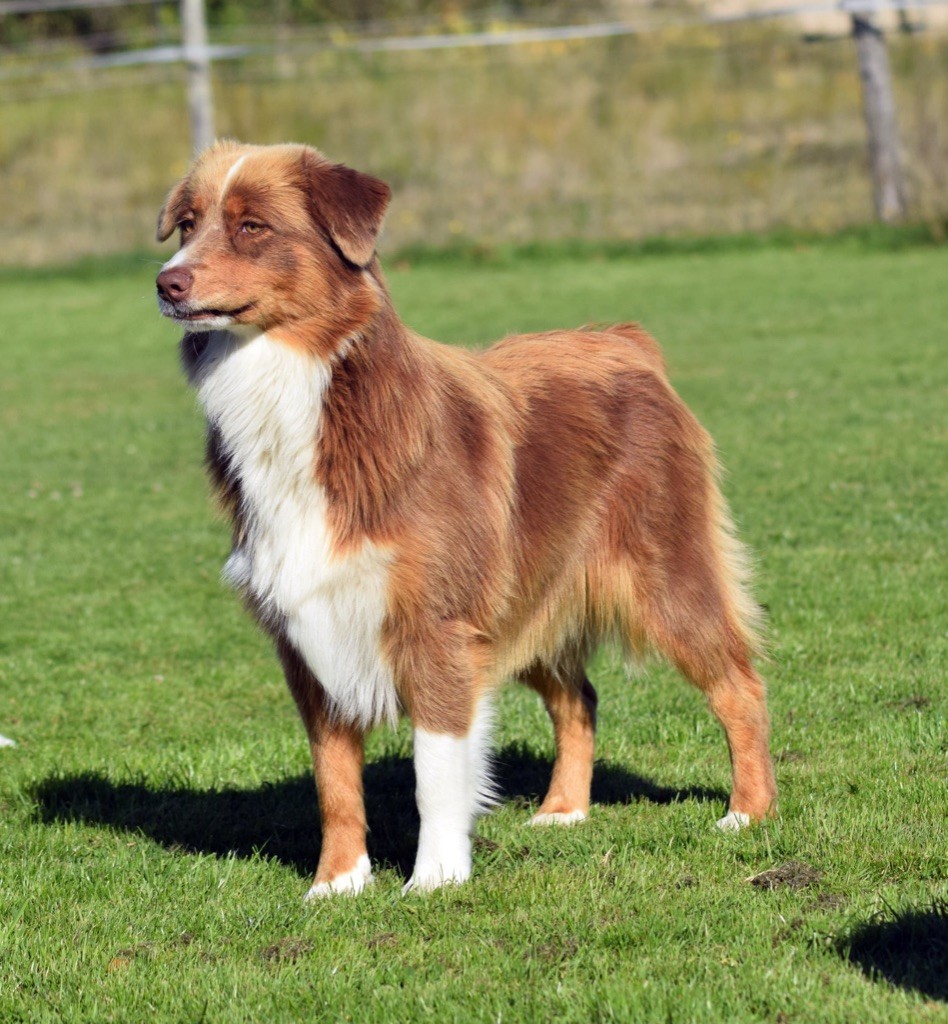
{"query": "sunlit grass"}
(158, 819)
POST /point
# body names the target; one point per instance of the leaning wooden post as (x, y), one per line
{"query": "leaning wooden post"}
(878, 104)
(200, 103)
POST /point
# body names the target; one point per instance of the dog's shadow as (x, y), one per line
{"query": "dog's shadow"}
(279, 820)
(907, 948)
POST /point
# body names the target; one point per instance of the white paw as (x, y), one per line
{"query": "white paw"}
(423, 880)
(733, 821)
(351, 882)
(449, 864)
(558, 818)
(5, 741)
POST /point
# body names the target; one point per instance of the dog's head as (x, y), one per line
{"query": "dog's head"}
(273, 238)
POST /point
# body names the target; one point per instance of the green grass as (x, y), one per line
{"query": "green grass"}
(157, 820)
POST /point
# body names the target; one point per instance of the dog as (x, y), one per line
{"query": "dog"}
(415, 523)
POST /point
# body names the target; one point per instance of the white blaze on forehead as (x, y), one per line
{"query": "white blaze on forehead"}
(229, 177)
(179, 257)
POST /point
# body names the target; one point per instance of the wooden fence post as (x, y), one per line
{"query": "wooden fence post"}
(200, 102)
(878, 104)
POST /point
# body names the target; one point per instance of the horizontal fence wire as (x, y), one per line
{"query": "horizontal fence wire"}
(177, 53)
(709, 127)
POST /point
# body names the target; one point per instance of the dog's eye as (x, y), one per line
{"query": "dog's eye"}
(186, 226)
(252, 227)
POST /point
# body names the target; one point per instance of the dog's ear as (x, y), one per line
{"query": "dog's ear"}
(175, 205)
(347, 204)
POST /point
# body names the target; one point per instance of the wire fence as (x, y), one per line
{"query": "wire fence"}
(130, 48)
(501, 133)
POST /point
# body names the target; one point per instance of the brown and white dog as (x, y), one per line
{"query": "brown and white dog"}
(414, 523)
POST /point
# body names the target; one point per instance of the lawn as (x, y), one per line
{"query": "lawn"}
(158, 821)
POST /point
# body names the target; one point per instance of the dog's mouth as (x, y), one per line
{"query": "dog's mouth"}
(186, 314)
(200, 315)
(203, 318)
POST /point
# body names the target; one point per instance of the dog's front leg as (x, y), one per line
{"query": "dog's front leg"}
(337, 763)
(338, 754)
(452, 786)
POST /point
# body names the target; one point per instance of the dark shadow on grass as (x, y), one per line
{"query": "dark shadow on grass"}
(523, 777)
(279, 819)
(907, 948)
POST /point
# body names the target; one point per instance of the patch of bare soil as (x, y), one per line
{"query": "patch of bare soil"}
(794, 874)
(287, 950)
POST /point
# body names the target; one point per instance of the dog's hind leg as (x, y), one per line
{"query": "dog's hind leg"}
(672, 577)
(694, 622)
(699, 620)
(695, 634)
(737, 699)
(571, 705)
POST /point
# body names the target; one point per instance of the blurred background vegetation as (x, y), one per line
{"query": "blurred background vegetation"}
(686, 127)
(106, 25)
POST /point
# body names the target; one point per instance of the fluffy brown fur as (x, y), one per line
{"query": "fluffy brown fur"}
(534, 499)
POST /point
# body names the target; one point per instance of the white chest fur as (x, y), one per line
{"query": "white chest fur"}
(265, 400)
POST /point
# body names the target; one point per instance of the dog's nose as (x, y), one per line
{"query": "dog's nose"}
(175, 284)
